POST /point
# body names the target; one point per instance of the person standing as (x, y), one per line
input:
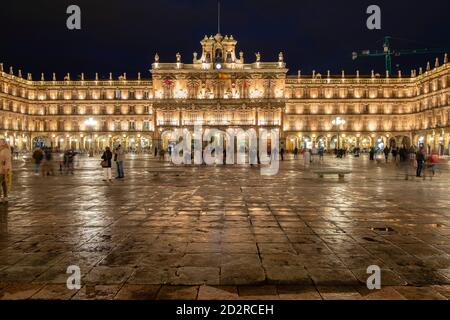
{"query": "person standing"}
(38, 155)
(106, 164)
(386, 153)
(119, 157)
(5, 170)
(372, 153)
(295, 152)
(282, 154)
(420, 158)
(321, 153)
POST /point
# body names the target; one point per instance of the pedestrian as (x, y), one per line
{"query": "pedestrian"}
(321, 153)
(47, 167)
(118, 158)
(420, 159)
(295, 152)
(5, 170)
(394, 152)
(69, 156)
(106, 164)
(372, 153)
(38, 156)
(282, 154)
(306, 157)
(404, 163)
(386, 153)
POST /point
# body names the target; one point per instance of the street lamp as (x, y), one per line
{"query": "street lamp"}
(338, 121)
(90, 123)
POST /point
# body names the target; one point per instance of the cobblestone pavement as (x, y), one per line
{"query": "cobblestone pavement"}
(226, 233)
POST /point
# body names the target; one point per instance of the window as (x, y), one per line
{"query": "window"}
(146, 125)
(131, 125)
(117, 94)
(117, 110)
(131, 110)
(146, 109)
(117, 126)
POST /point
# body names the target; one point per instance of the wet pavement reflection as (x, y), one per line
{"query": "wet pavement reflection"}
(226, 232)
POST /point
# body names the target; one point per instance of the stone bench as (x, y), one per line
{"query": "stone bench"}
(341, 173)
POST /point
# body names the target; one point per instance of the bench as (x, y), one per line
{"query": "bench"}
(340, 173)
(166, 171)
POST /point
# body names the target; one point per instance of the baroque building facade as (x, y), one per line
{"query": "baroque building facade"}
(220, 90)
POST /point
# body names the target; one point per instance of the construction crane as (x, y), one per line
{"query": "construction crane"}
(388, 53)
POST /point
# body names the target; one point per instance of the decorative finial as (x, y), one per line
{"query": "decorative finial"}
(258, 57)
(436, 63)
(241, 56)
(343, 74)
(54, 76)
(314, 74)
(110, 76)
(11, 71)
(1, 67)
(195, 56)
(82, 76)
(412, 73)
(178, 56)
(372, 74)
(420, 71)
(445, 59)
(299, 73)
(387, 73)
(428, 66)
(139, 76)
(399, 73)
(42, 77)
(96, 76)
(328, 74)
(20, 73)
(357, 73)
(29, 77)
(124, 76)
(280, 57)
(156, 58)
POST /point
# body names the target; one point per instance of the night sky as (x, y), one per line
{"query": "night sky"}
(123, 36)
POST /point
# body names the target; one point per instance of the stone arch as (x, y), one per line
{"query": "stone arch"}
(291, 142)
(365, 142)
(41, 141)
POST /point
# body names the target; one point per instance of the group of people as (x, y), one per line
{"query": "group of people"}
(117, 155)
(43, 161)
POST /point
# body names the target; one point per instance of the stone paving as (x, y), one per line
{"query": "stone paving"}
(226, 233)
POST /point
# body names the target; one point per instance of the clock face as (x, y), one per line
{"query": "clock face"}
(218, 66)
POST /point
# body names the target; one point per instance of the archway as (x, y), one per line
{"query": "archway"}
(291, 143)
(41, 142)
(365, 143)
(321, 142)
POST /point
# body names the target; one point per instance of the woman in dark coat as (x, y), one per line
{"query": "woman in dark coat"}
(106, 164)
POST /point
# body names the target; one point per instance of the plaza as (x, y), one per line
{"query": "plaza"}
(226, 232)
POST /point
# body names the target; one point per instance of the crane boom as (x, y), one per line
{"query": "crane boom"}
(388, 53)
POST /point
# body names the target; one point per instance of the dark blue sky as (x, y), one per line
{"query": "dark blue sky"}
(123, 36)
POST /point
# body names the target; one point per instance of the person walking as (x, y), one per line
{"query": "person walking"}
(48, 167)
(321, 153)
(372, 153)
(295, 152)
(5, 170)
(119, 157)
(386, 153)
(106, 164)
(38, 155)
(282, 154)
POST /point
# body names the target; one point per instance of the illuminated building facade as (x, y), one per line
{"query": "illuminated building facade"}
(218, 89)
